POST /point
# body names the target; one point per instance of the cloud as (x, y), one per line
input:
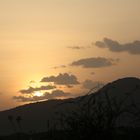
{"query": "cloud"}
(57, 94)
(62, 79)
(31, 89)
(89, 84)
(23, 99)
(79, 47)
(114, 46)
(92, 73)
(32, 82)
(70, 86)
(57, 67)
(47, 96)
(95, 62)
(76, 47)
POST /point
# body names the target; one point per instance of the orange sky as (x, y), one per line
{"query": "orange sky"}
(36, 36)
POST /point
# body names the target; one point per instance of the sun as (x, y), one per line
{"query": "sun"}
(38, 93)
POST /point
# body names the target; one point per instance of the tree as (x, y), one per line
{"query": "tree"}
(11, 118)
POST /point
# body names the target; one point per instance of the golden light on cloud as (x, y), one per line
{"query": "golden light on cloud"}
(38, 93)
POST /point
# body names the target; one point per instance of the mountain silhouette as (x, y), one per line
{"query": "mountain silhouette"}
(120, 95)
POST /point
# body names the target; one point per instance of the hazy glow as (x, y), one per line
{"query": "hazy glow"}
(35, 36)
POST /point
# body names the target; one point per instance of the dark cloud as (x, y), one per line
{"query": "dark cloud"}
(114, 46)
(23, 99)
(47, 96)
(89, 84)
(57, 94)
(95, 62)
(62, 79)
(31, 89)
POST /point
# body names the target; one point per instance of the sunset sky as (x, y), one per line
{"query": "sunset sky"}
(60, 48)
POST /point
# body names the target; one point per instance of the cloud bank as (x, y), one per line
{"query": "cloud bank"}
(115, 46)
(31, 89)
(47, 96)
(62, 79)
(95, 62)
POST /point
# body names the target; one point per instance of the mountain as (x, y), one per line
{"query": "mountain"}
(122, 94)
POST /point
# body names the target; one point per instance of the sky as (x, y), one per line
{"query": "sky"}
(63, 48)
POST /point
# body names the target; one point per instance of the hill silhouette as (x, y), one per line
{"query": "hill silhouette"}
(116, 105)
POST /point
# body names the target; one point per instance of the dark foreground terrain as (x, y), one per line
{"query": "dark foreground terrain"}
(123, 134)
(113, 112)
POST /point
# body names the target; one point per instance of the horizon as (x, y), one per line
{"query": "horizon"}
(112, 102)
(61, 49)
(95, 91)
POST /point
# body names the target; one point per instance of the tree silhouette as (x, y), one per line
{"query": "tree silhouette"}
(11, 118)
(18, 120)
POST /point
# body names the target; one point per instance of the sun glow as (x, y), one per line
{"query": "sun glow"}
(38, 93)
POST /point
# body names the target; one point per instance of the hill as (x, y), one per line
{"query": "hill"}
(120, 98)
